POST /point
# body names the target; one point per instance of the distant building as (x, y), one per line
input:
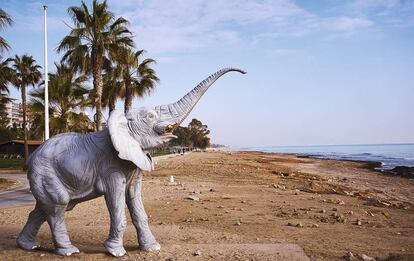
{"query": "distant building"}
(29, 115)
(14, 111)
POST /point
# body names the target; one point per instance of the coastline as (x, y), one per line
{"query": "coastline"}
(247, 205)
(400, 171)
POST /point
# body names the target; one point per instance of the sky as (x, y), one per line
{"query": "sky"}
(318, 72)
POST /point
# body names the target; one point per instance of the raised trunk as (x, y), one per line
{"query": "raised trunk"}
(97, 84)
(26, 146)
(179, 110)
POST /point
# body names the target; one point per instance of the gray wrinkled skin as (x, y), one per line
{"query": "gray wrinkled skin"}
(71, 168)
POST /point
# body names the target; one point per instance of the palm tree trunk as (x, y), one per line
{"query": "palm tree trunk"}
(26, 146)
(128, 98)
(97, 84)
(111, 104)
(66, 121)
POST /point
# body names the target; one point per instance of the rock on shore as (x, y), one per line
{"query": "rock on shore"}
(403, 171)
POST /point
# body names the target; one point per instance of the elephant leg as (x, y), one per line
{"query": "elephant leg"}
(56, 219)
(52, 199)
(27, 237)
(115, 201)
(139, 217)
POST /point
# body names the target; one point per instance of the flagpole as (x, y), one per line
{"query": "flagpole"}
(46, 77)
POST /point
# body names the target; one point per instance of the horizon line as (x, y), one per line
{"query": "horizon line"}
(327, 145)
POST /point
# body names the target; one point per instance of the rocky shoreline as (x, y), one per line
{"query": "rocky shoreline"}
(400, 171)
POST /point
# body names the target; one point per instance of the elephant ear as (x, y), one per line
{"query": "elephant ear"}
(128, 148)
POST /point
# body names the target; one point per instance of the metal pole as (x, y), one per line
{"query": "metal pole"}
(46, 77)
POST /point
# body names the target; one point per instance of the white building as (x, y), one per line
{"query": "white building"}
(13, 112)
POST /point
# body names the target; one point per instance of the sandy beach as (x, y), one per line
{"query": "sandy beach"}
(248, 206)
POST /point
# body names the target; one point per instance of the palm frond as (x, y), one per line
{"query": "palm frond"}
(4, 46)
(119, 22)
(5, 19)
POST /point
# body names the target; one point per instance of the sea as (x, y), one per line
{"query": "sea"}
(390, 155)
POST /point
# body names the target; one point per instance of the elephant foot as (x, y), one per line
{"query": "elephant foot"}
(155, 246)
(67, 251)
(26, 244)
(114, 249)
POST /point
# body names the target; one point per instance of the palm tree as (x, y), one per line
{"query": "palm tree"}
(6, 73)
(5, 20)
(112, 87)
(26, 73)
(67, 93)
(80, 122)
(4, 99)
(90, 44)
(137, 76)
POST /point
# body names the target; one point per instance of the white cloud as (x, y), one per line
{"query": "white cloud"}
(167, 27)
(174, 26)
(397, 13)
(363, 5)
(35, 23)
(180, 25)
(29, 16)
(344, 26)
(283, 52)
(348, 24)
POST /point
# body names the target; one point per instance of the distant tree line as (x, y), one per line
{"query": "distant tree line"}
(193, 136)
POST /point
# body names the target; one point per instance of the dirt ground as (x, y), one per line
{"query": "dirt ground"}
(6, 184)
(248, 206)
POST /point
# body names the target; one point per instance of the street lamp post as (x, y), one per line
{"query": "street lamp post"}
(46, 77)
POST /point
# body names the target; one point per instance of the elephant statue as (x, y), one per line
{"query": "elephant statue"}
(71, 168)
